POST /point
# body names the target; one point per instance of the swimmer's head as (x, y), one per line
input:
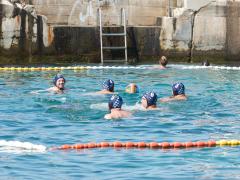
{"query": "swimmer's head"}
(205, 63)
(108, 85)
(149, 99)
(132, 88)
(115, 102)
(59, 81)
(178, 89)
(163, 61)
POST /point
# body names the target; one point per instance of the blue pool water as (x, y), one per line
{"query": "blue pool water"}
(211, 113)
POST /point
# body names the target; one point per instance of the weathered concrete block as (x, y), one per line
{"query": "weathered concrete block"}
(84, 12)
(209, 33)
(206, 41)
(147, 39)
(233, 30)
(176, 32)
(195, 4)
(7, 9)
(10, 31)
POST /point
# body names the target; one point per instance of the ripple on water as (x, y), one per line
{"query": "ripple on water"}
(211, 112)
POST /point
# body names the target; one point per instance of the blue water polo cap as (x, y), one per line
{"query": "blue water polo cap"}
(151, 98)
(58, 76)
(108, 85)
(115, 102)
(178, 89)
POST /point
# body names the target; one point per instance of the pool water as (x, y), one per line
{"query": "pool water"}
(211, 113)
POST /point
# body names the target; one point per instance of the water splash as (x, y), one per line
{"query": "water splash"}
(20, 147)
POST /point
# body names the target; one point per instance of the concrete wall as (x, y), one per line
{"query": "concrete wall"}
(188, 30)
(195, 4)
(175, 35)
(233, 30)
(209, 31)
(205, 29)
(84, 12)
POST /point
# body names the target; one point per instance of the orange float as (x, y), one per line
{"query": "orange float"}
(201, 144)
(211, 144)
(117, 144)
(141, 145)
(104, 144)
(188, 144)
(78, 146)
(166, 145)
(91, 145)
(65, 146)
(129, 145)
(177, 145)
(152, 145)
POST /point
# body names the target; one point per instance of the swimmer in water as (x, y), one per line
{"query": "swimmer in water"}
(178, 90)
(108, 87)
(115, 107)
(162, 63)
(59, 83)
(149, 100)
(205, 63)
(132, 89)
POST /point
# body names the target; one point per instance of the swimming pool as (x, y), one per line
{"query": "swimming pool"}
(211, 113)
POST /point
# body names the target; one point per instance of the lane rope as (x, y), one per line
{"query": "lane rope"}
(112, 67)
(17, 146)
(67, 68)
(151, 145)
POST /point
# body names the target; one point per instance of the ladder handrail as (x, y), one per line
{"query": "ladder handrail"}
(123, 23)
(100, 26)
(125, 32)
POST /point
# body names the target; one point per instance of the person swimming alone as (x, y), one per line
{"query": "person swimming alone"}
(162, 63)
(115, 107)
(149, 100)
(108, 87)
(178, 90)
(205, 63)
(59, 84)
(132, 88)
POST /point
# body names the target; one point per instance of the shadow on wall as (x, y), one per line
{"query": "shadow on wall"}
(76, 41)
(233, 33)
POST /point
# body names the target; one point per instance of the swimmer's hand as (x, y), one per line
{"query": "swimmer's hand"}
(38, 91)
(108, 116)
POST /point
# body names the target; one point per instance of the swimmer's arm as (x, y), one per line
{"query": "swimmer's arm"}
(181, 98)
(38, 91)
(108, 116)
(51, 89)
(105, 92)
(168, 99)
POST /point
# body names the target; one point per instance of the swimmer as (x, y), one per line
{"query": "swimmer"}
(178, 90)
(205, 63)
(59, 82)
(149, 100)
(132, 88)
(163, 63)
(108, 87)
(115, 105)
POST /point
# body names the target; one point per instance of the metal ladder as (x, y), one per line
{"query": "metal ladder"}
(123, 34)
